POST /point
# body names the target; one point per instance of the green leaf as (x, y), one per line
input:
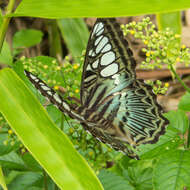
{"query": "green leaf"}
(49, 145)
(2, 180)
(140, 175)
(25, 180)
(30, 162)
(112, 181)
(96, 8)
(13, 161)
(170, 20)
(179, 124)
(1, 18)
(75, 34)
(5, 149)
(27, 38)
(169, 141)
(178, 120)
(172, 172)
(184, 103)
(54, 39)
(5, 55)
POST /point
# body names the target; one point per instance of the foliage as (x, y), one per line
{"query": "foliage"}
(39, 135)
(162, 47)
(96, 8)
(161, 164)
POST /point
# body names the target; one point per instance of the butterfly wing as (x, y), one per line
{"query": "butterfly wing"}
(108, 59)
(111, 93)
(116, 108)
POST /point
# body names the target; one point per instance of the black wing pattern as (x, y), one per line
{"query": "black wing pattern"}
(111, 92)
(116, 108)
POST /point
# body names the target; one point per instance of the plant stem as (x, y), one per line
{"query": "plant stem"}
(45, 180)
(179, 79)
(188, 137)
(5, 22)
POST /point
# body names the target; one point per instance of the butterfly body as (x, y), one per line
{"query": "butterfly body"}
(116, 108)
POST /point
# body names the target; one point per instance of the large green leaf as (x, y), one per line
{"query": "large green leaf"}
(75, 33)
(96, 8)
(172, 171)
(2, 180)
(50, 147)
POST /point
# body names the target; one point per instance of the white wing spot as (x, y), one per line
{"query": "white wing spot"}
(57, 98)
(50, 93)
(32, 76)
(98, 139)
(66, 106)
(100, 32)
(109, 70)
(106, 48)
(94, 30)
(98, 40)
(107, 58)
(46, 88)
(98, 29)
(36, 80)
(88, 68)
(116, 77)
(102, 43)
(91, 53)
(95, 64)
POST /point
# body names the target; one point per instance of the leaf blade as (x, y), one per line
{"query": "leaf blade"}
(2, 180)
(38, 134)
(96, 8)
(75, 34)
(184, 103)
(172, 171)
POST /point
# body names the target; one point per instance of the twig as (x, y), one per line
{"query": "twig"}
(5, 22)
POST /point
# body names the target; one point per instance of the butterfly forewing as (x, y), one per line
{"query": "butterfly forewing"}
(107, 55)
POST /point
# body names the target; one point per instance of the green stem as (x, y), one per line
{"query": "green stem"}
(188, 138)
(45, 180)
(179, 79)
(5, 22)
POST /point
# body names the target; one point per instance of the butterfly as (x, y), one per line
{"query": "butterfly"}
(116, 108)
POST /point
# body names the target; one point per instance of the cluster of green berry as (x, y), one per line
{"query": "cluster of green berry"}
(161, 47)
